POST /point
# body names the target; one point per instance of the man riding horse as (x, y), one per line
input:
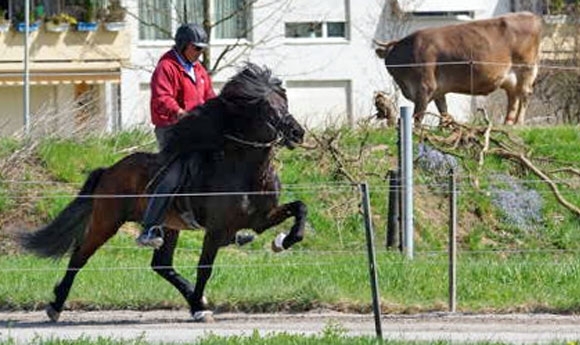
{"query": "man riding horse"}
(248, 120)
(179, 84)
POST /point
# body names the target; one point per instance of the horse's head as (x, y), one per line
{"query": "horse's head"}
(261, 107)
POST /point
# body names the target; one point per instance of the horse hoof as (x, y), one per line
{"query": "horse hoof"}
(205, 316)
(52, 314)
(242, 239)
(277, 246)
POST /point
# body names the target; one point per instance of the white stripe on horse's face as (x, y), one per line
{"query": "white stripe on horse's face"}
(245, 203)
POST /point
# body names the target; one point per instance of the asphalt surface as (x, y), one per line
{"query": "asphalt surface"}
(176, 326)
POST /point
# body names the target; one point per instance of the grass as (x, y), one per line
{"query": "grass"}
(501, 267)
(119, 277)
(255, 339)
(83, 156)
(333, 335)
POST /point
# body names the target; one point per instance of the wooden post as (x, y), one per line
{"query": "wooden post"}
(452, 241)
(393, 217)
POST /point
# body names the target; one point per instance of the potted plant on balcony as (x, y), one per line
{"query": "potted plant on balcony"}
(59, 22)
(89, 17)
(33, 24)
(4, 21)
(114, 16)
(562, 12)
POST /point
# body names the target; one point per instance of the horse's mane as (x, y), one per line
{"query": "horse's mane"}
(250, 86)
(204, 126)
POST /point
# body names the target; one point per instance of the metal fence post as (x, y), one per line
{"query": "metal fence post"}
(372, 260)
(407, 179)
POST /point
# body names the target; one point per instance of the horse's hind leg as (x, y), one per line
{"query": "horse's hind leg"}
(162, 264)
(81, 254)
(62, 289)
(298, 210)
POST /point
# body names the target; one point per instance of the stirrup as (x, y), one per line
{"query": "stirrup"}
(155, 231)
(152, 237)
(243, 238)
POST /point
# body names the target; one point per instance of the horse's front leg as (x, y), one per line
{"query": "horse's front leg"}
(198, 307)
(277, 215)
(162, 264)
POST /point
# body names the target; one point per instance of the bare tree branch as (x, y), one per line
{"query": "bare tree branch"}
(483, 141)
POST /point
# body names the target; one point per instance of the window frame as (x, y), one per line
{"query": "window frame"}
(214, 40)
(322, 39)
(466, 15)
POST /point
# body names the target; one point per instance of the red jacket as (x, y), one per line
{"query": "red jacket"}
(172, 89)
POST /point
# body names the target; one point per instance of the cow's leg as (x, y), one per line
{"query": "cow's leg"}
(441, 104)
(525, 90)
(424, 95)
(421, 102)
(512, 109)
(521, 111)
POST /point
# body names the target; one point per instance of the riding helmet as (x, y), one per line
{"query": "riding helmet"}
(190, 33)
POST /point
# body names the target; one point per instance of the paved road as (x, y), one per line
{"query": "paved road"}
(175, 326)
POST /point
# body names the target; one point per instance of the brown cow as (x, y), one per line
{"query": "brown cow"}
(472, 58)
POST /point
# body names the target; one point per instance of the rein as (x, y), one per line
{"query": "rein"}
(254, 144)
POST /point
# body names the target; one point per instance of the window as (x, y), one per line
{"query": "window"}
(315, 30)
(464, 14)
(232, 18)
(311, 30)
(307, 19)
(189, 11)
(160, 18)
(155, 20)
(336, 29)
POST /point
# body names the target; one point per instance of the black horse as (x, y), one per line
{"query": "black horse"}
(251, 113)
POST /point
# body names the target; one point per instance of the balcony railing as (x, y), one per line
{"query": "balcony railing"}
(66, 45)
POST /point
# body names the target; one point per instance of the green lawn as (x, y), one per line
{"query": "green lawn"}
(502, 266)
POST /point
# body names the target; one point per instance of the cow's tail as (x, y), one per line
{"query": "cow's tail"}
(67, 230)
(383, 48)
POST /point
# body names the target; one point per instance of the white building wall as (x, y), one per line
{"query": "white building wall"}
(48, 109)
(328, 80)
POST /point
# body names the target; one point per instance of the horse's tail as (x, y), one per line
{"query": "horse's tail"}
(68, 228)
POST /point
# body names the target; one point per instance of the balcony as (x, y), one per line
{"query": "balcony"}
(70, 45)
(560, 39)
(54, 55)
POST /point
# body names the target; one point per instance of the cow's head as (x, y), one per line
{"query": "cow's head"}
(384, 48)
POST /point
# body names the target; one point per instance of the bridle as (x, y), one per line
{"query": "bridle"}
(275, 127)
(255, 144)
